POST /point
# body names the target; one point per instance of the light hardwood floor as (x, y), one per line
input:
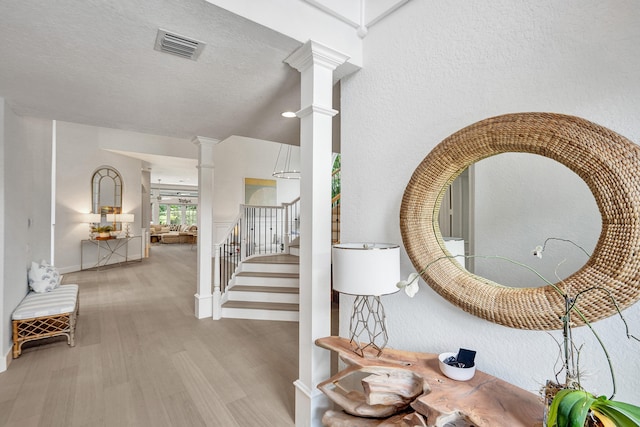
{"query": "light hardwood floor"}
(143, 359)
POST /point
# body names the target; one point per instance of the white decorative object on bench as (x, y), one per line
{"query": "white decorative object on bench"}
(44, 315)
(43, 277)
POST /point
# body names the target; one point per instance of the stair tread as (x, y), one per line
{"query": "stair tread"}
(280, 306)
(269, 275)
(271, 289)
(273, 259)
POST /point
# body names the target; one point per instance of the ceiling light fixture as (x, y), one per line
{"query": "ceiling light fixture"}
(289, 114)
(284, 167)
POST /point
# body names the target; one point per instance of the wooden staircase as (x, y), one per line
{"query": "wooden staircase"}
(266, 288)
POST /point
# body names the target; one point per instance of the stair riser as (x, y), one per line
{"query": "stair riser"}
(245, 313)
(263, 297)
(266, 281)
(270, 268)
(294, 251)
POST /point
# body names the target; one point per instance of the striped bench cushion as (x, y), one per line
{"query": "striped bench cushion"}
(58, 301)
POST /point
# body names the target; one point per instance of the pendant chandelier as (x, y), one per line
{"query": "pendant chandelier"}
(285, 166)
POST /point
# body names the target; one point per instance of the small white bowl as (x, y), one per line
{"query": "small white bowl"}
(453, 372)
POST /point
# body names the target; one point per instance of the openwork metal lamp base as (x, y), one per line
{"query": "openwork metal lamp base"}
(368, 323)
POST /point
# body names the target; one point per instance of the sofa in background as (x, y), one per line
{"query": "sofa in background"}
(173, 233)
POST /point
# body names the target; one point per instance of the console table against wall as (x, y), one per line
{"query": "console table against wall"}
(109, 252)
(483, 401)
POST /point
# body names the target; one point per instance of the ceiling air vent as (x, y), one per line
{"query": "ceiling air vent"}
(178, 45)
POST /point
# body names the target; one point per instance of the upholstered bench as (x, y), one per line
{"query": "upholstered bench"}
(45, 315)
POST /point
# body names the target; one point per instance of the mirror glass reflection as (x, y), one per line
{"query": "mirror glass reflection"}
(106, 194)
(510, 203)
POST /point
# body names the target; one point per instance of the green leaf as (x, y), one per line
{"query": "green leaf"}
(569, 408)
(622, 414)
(560, 407)
(580, 409)
(552, 415)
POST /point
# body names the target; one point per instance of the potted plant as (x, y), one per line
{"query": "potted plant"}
(104, 231)
(575, 407)
(567, 404)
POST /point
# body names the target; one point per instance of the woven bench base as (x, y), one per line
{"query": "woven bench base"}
(37, 328)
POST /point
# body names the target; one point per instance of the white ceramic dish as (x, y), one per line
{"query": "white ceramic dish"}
(453, 372)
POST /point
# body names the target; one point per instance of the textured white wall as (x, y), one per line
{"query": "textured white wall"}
(435, 67)
(5, 330)
(26, 200)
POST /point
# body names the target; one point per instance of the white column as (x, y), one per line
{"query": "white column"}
(204, 297)
(183, 213)
(155, 212)
(316, 64)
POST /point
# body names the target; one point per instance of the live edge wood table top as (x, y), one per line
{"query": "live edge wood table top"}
(484, 401)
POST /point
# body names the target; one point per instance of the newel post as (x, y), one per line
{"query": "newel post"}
(217, 295)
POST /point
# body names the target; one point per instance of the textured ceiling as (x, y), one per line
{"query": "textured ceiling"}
(93, 62)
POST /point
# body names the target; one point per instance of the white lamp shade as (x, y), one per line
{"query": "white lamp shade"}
(366, 268)
(126, 217)
(120, 217)
(92, 218)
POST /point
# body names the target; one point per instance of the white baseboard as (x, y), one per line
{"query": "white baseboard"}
(310, 405)
(6, 360)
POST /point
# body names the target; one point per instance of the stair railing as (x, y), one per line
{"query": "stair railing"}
(228, 254)
(291, 222)
(256, 230)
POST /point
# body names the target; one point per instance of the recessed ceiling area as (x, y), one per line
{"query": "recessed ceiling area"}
(169, 170)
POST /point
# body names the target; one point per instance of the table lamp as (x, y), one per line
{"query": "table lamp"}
(92, 219)
(111, 218)
(126, 219)
(366, 270)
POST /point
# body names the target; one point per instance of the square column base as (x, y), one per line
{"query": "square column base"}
(310, 405)
(204, 306)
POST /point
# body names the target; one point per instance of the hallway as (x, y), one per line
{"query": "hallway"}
(143, 359)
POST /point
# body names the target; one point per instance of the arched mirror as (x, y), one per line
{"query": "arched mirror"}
(608, 163)
(106, 192)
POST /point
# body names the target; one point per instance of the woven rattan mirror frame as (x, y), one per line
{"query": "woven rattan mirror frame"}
(607, 162)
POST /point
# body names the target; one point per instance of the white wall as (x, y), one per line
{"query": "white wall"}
(431, 69)
(79, 154)
(26, 200)
(237, 158)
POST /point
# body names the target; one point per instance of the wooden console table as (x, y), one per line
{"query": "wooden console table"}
(483, 401)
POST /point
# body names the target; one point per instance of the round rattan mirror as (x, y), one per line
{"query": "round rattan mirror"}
(607, 162)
